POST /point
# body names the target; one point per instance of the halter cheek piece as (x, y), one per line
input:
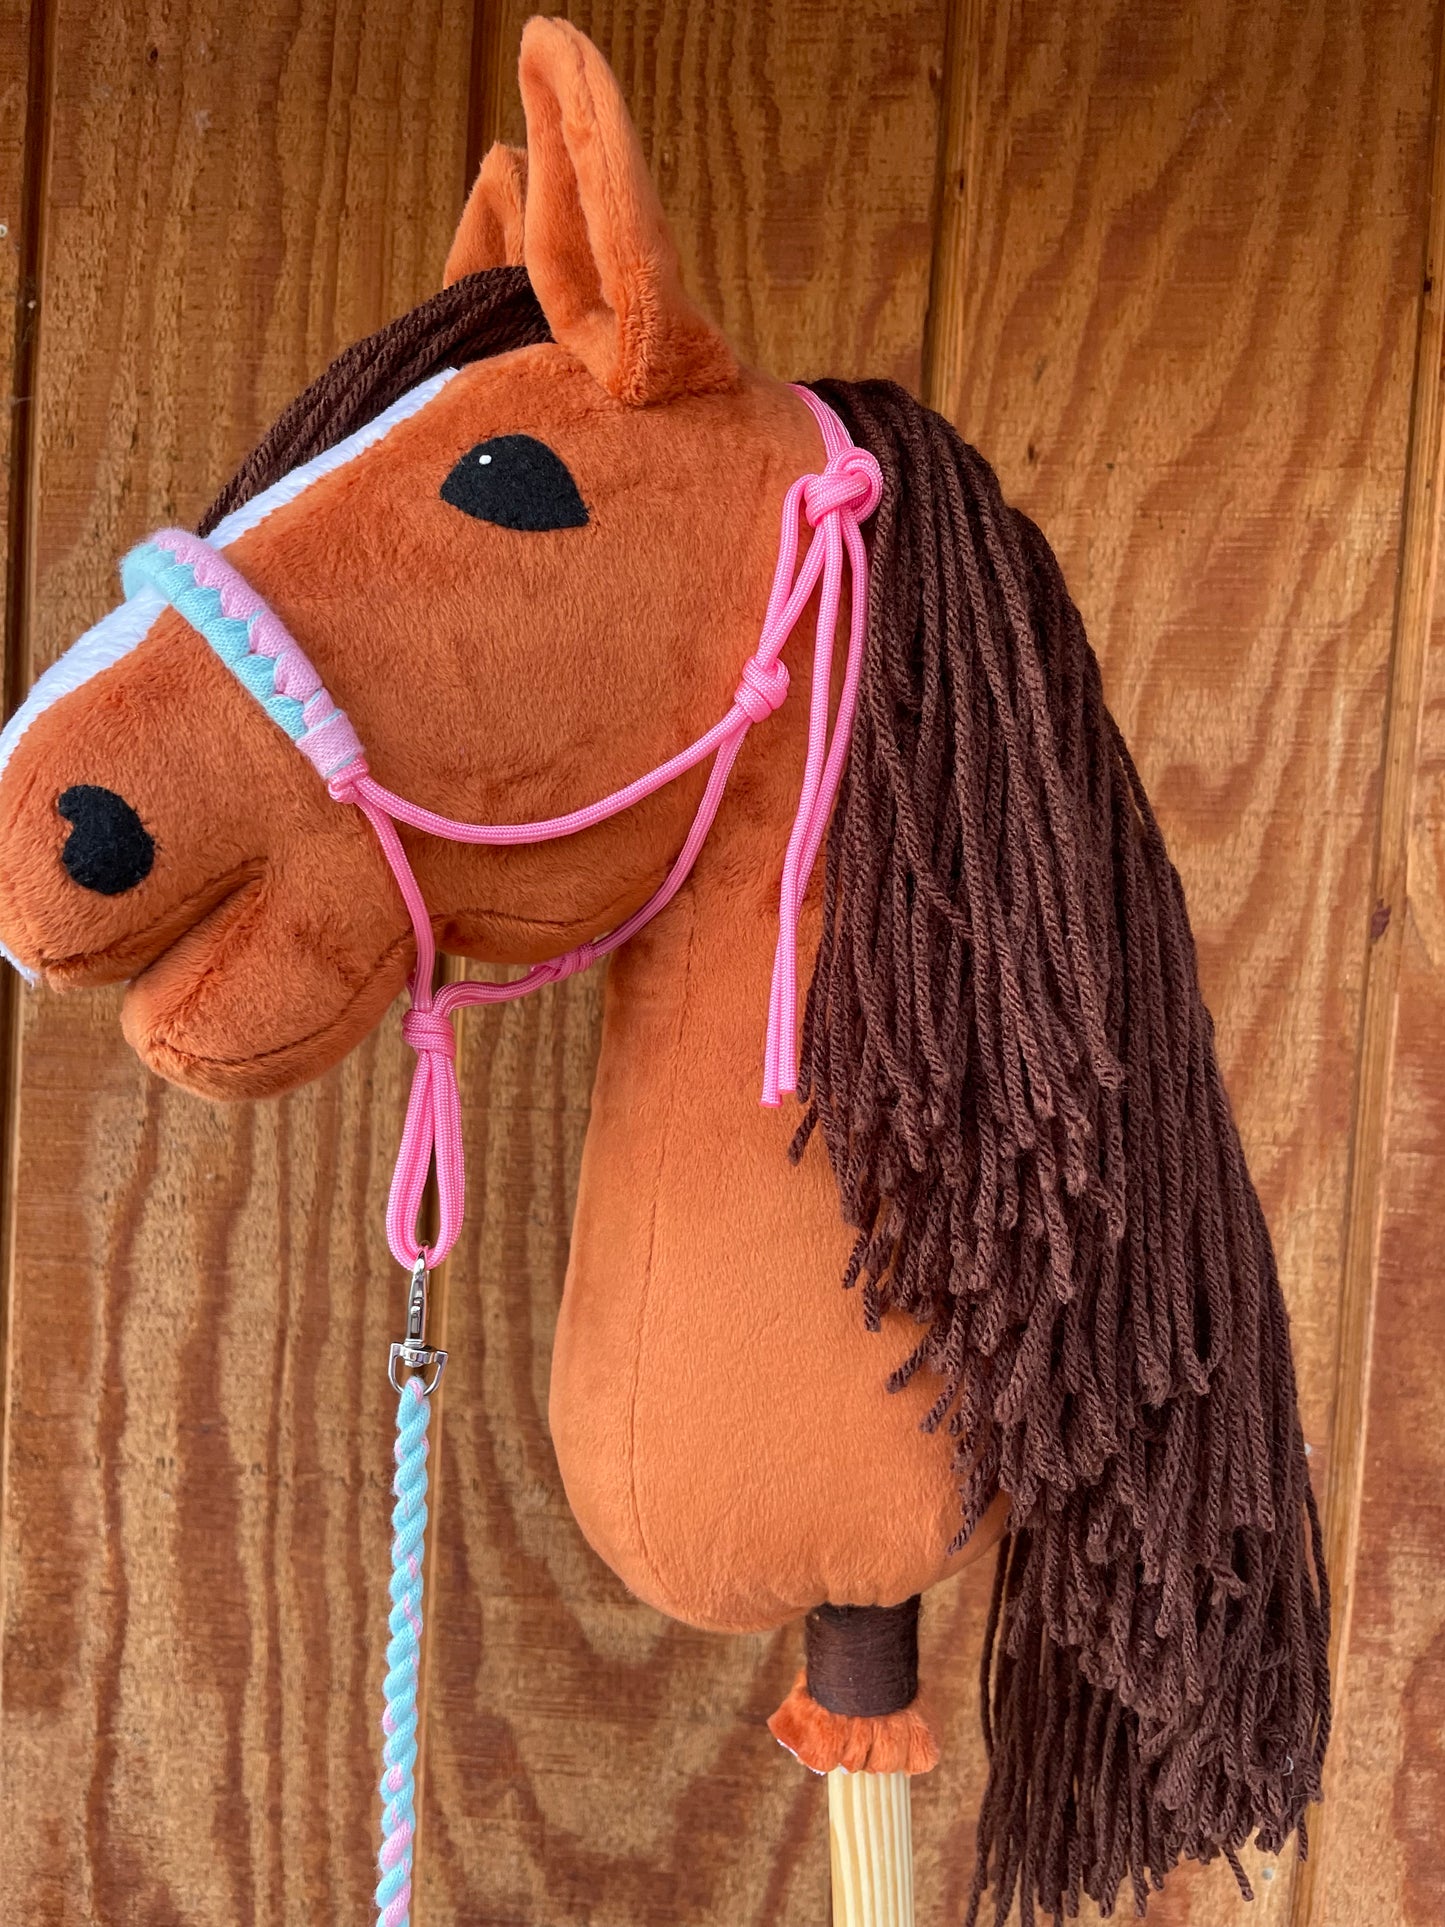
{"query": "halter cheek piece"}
(203, 586)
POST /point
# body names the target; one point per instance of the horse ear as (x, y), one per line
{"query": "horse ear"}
(489, 234)
(596, 245)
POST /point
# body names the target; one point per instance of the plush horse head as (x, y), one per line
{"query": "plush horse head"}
(526, 537)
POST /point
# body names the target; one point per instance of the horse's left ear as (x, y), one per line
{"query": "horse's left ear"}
(489, 234)
(596, 245)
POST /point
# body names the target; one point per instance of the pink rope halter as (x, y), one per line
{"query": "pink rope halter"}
(834, 502)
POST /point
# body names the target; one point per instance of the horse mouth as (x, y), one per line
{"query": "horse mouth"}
(137, 950)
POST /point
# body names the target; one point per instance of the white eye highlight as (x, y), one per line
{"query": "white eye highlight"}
(484, 459)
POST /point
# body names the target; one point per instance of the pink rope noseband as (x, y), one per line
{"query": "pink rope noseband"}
(834, 502)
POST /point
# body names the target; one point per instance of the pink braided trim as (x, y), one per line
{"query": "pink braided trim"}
(329, 741)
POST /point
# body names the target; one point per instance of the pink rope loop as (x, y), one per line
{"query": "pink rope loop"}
(431, 1136)
(763, 689)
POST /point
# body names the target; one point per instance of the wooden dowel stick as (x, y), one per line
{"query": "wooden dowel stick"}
(870, 1840)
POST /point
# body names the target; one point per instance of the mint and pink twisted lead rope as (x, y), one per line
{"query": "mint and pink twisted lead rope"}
(403, 1659)
(217, 600)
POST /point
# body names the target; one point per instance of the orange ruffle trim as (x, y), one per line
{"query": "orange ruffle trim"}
(888, 1743)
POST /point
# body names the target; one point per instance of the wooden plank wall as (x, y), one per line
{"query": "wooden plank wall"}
(1176, 267)
(193, 1592)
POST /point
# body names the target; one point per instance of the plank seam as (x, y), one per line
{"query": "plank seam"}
(955, 206)
(26, 353)
(14, 669)
(484, 106)
(1375, 1050)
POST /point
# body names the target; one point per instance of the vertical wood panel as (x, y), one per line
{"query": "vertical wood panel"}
(1390, 1634)
(1190, 247)
(1379, 1850)
(197, 1431)
(1376, 1853)
(586, 1760)
(23, 51)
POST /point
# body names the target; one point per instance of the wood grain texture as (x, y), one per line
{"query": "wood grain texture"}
(23, 51)
(197, 1429)
(870, 1840)
(956, 202)
(1379, 1854)
(793, 144)
(587, 1761)
(1377, 1851)
(1186, 338)
(24, 54)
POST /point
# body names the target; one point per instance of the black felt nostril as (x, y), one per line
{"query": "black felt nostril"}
(109, 849)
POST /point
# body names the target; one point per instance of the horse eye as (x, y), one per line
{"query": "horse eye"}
(516, 482)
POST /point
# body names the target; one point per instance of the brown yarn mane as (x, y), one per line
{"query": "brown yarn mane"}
(1014, 1074)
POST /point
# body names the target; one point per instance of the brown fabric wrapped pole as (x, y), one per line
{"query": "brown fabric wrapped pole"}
(853, 1714)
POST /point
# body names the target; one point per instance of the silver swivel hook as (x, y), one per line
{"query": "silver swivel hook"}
(413, 1354)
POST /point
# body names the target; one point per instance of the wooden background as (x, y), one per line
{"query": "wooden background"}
(1175, 266)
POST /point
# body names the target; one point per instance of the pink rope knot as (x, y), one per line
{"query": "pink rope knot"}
(762, 690)
(573, 961)
(852, 481)
(429, 1030)
(342, 787)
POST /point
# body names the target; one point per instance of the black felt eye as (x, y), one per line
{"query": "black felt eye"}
(516, 482)
(109, 849)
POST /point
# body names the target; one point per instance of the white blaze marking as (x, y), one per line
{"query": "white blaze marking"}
(117, 634)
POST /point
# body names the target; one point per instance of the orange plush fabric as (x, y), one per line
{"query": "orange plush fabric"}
(493, 673)
(718, 1407)
(883, 1743)
(693, 1421)
(597, 246)
(490, 233)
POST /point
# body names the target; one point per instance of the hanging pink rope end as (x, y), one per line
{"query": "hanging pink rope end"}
(836, 503)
